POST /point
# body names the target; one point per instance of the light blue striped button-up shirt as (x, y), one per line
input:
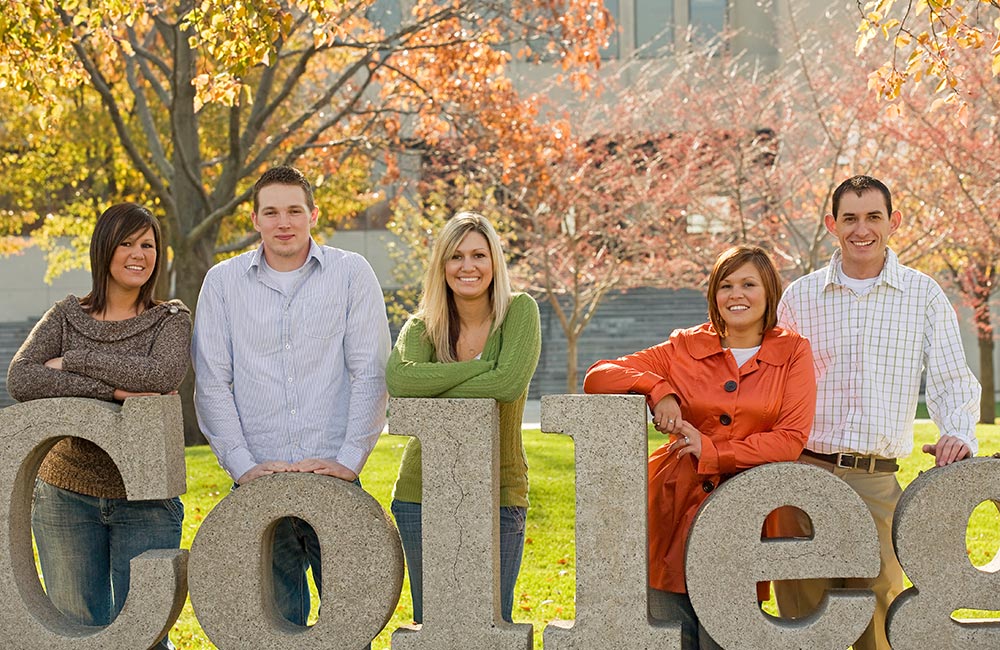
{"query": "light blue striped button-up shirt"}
(291, 376)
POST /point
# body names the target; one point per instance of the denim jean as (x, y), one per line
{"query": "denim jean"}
(85, 545)
(676, 608)
(512, 521)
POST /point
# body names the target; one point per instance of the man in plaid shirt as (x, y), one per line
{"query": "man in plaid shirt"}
(874, 326)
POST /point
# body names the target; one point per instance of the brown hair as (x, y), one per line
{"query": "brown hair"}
(859, 185)
(726, 264)
(283, 175)
(115, 225)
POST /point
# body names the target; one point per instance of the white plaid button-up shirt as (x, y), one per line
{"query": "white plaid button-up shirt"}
(869, 351)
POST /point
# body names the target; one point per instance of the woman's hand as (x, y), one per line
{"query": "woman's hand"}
(121, 394)
(667, 415)
(688, 441)
(55, 364)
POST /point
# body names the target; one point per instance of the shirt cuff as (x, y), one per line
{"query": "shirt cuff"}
(239, 462)
(75, 361)
(352, 458)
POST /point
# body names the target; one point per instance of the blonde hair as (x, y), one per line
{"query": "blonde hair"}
(437, 305)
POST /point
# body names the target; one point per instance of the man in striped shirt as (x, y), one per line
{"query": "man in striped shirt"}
(290, 346)
(874, 326)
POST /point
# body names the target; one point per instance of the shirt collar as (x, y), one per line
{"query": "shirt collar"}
(315, 253)
(889, 275)
(775, 348)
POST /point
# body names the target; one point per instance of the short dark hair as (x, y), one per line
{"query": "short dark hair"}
(115, 225)
(728, 262)
(859, 185)
(283, 175)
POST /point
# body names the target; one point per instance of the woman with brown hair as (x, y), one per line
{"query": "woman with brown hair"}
(114, 343)
(732, 393)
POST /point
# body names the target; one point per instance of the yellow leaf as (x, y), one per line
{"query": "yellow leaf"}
(962, 114)
(903, 40)
(996, 65)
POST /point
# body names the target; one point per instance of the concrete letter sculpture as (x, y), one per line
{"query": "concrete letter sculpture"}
(231, 584)
(929, 535)
(460, 448)
(609, 435)
(145, 439)
(726, 558)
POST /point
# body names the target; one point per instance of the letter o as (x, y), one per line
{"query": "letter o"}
(230, 565)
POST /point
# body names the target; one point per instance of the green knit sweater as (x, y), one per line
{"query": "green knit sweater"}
(502, 372)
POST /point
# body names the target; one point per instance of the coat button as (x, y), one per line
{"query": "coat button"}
(730, 386)
(708, 486)
(725, 419)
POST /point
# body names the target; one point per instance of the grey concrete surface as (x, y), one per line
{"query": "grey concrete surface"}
(146, 440)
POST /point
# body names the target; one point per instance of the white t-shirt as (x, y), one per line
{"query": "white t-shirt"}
(742, 355)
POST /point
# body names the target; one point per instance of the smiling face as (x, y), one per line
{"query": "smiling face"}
(469, 270)
(863, 227)
(742, 299)
(133, 261)
(283, 219)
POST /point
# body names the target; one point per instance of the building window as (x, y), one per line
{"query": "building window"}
(707, 17)
(654, 27)
(611, 51)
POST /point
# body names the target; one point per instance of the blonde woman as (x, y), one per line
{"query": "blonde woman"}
(470, 337)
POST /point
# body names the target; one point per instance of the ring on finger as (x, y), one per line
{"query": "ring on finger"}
(687, 440)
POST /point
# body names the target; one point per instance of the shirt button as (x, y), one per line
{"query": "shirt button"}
(725, 419)
(288, 347)
(292, 411)
(730, 386)
(289, 380)
(708, 486)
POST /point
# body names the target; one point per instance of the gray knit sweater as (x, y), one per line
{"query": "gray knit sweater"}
(148, 353)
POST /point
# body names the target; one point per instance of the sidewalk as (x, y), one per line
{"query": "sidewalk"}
(532, 414)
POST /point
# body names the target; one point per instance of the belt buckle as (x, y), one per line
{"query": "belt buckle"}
(845, 461)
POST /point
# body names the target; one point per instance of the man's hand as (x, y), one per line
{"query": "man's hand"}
(263, 469)
(947, 450)
(325, 467)
(55, 364)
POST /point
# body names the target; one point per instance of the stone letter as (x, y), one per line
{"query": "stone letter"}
(231, 584)
(460, 445)
(609, 435)
(928, 532)
(726, 558)
(145, 439)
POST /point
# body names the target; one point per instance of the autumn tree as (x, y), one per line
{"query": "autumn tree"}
(952, 185)
(202, 96)
(926, 39)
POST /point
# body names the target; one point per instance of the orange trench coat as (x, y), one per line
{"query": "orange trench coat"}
(758, 413)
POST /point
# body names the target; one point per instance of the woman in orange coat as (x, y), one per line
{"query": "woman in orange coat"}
(732, 393)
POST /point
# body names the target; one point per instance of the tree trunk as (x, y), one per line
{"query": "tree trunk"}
(987, 403)
(191, 265)
(571, 383)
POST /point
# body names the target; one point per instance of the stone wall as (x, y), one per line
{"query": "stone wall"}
(228, 577)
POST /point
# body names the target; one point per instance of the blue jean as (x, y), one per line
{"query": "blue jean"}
(676, 608)
(85, 545)
(512, 522)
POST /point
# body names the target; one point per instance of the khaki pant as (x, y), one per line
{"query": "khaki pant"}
(797, 598)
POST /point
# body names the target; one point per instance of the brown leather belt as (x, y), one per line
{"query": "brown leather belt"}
(855, 461)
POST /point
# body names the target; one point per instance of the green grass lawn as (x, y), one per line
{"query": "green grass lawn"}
(546, 587)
